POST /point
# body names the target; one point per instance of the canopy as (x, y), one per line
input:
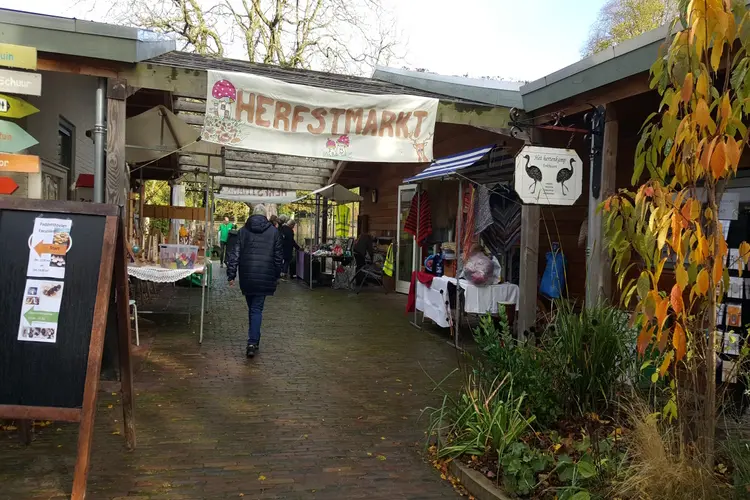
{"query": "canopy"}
(334, 192)
(158, 132)
(449, 164)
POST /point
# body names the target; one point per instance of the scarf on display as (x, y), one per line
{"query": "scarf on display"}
(468, 235)
(482, 210)
(422, 205)
(505, 231)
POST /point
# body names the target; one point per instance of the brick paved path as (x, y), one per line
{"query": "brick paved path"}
(328, 410)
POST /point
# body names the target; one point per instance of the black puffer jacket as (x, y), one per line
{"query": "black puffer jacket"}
(258, 255)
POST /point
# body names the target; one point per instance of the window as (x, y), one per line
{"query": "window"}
(66, 143)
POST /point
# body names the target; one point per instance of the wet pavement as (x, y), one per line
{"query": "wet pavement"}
(329, 409)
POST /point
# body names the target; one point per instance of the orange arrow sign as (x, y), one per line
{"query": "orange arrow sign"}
(42, 247)
(7, 185)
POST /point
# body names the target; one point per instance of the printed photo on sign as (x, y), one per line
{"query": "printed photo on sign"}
(40, 310)
(548, 176)
(48, 245)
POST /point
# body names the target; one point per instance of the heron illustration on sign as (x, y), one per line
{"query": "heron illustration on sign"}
(563, 175)
(534, 172)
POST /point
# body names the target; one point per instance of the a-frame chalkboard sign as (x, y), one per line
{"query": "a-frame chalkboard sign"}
(58, 261)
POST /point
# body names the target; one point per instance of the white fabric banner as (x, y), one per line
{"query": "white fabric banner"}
(262, 114)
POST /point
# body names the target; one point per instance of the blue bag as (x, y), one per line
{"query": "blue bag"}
(553, 279)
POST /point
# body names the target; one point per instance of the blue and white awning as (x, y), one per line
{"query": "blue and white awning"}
(450, 164)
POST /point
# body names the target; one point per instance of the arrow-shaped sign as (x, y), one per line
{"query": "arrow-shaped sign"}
(7, 185)
(13, 138)
(42, 247)
(15, 107)
(32, 315)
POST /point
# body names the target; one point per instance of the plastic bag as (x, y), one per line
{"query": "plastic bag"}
(553, 279)
(479, 269)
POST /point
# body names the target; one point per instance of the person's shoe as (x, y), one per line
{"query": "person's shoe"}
(251, 350)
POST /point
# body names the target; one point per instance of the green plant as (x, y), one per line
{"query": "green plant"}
(483, 418)
(738, 451)
(594, 350)
(521, 466)
(529, 368)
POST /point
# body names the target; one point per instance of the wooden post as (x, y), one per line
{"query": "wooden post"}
(529, 272)
(117, 175)
(598, 273)
(123, 330)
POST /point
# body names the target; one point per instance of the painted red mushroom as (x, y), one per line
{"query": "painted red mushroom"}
(344, 139)
(224, 91)
(330, 144)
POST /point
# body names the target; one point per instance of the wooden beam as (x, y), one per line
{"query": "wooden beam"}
(289, 185)
(529, 272)
(79, 66)
(191, 83)
(173, 212)
(253, 174)
(182, 104)
(275, 159)
(615, 91)
(598, 273)
(340, 166)
(117, 175)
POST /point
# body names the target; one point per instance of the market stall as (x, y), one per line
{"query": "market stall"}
(444, 293)
(316, 264)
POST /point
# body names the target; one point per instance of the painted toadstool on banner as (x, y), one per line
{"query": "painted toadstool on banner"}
(224, 94)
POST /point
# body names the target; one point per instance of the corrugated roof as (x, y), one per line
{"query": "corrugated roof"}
(186, 60)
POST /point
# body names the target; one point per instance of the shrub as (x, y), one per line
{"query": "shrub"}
(529, 368)
(484, 418)
(594, 350)
(738, 451)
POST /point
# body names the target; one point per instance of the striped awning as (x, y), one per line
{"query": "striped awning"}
(450, 164)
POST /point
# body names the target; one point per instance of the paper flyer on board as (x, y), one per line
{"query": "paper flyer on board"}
(48, 245)
(40, 310)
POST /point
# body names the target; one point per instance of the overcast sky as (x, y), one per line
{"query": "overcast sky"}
(513, 39)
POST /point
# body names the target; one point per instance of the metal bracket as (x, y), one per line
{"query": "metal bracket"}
(595, 120)
(521, 124)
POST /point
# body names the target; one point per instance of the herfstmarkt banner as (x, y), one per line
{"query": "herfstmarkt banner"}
(263, 114)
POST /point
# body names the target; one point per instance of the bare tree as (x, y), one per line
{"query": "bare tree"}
(345, 36)
(621, 20)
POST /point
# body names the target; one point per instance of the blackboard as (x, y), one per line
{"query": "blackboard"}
(42, 374)
(53, 374)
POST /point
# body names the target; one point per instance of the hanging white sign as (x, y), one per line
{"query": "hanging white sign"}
(548, 176)
(262, 114)
(256, 195)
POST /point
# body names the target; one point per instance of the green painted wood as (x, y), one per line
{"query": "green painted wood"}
(13, 138)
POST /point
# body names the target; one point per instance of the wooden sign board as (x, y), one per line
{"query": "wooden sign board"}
(18, 82)
(548, 176)
(7, 185)
(13, 138)
(172, 212)
(58, 265)
(15, 107)
(17, 56)
(27, 164)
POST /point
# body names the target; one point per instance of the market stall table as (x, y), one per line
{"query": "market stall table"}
(434, 302)
(157, 274)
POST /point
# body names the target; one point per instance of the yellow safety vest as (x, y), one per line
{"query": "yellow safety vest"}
(388, 265)
(342, 221)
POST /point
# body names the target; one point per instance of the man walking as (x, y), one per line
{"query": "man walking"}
(289, 244)
(223, 237)
(258, 255)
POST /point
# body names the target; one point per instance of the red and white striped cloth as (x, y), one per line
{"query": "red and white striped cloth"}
(425, 218)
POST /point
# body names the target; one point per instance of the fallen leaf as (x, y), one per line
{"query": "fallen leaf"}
(369, 454)
(381, 457)
(261, 478)
(242, 494)
(116, 433)
(382, 438)
(109, 407)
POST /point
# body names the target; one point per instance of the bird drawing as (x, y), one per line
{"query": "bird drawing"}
(534, 173)
(564, 175)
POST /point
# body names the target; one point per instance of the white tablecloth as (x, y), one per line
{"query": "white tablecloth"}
(483, 299)
(160, 274)
(433, 300)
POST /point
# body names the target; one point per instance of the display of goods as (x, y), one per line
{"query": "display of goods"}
(178, 256)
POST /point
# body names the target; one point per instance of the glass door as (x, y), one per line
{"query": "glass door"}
(406, 247)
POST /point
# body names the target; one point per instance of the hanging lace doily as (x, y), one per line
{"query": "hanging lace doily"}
(160, 274)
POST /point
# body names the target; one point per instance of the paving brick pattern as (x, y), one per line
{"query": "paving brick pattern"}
(328, 410)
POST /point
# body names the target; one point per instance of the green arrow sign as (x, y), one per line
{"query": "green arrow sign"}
(33, 315)
(15, 107)
(13, 138)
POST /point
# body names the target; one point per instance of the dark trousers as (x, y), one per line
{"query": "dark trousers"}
(287, 263)
(223, 252)
(361, 261)
(255, 305)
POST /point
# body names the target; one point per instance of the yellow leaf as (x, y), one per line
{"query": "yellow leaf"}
(726, 109)
(676, 298)
(745, 252)
(733, 153)
(661, 312)
(701, 87)
(261, 478)
(716, 52)
(665, 364)
(381, 458)
(687, 88)
(702, 115)
(116, 433)
(679, 341)
(719, 160)
(701, 282)
(682, 276)
(718, 271)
